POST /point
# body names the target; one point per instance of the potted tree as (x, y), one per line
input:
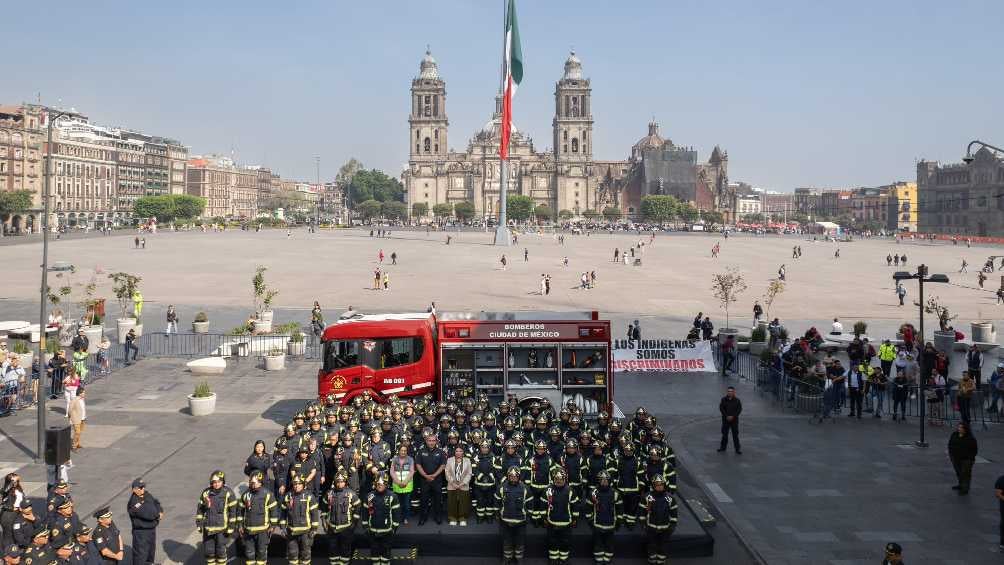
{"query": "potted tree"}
(297, 346)
(202, 402)
(200, 324)
(727, 287)
(23, 352)
(775, 288)
(944, 337)
(758, 340)
(860, 327)
(52, 346)
(265, 319)
(91, 322)
(275, 360)
(262, 297)
(124, 286)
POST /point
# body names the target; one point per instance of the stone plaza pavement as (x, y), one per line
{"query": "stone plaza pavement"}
(138, 426)
(827, 493)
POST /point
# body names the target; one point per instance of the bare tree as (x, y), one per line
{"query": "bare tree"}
(775, 288)
(727, 287)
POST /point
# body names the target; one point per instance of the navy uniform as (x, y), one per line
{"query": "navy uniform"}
(657, 466)
(430, 459)
(559, 516)
(280, 468)
(629, 482)
(39, 552)
(510, 458)
(604, 506)
(343, 514)
(485, 483)
(302, 518)
(86, 548)
(216, 517)
(382, 519)
(304, 468)
(572, 463)
(144, 512)
(58, 494)
(513, 500)
(660, 520)
(257, 513)
(24, 525)
(63, 524)
(108, 539)
(541, 466)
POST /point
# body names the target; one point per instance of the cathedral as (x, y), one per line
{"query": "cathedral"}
(567, 177)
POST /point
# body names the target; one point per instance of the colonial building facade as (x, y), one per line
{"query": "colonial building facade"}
(230, 191)
(962, 198)
(21, 161)
(565, 178)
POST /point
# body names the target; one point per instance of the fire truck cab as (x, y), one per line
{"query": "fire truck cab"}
(526, 355)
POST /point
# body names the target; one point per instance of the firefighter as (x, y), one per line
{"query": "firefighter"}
(597, 462)
(660, 520)
(215, 516)
(382, 521)
(635, 426)
(541, 466)
(513, 500)
(540, 431)
(572, 463)
(602, 429)
(343, 514)
(559, 517)
(257, 513)
(605, 510)
(656, 465)
(509, 458)
(378, 456)
(304, 467)
(575, 428)
(485, 483)
(555, 443)
(301, 520)
(629, 477)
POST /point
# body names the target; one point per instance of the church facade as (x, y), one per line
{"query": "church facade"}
(565, 178)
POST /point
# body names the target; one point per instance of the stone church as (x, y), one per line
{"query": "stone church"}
(567, 177)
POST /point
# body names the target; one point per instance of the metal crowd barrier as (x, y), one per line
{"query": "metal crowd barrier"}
(159, 344)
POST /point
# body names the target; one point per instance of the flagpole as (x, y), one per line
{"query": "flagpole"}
(502, 236)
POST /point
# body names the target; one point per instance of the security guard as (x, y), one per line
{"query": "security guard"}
(559, 517)
(145, 513)
(257, 513)
(629, 482)
(541, 467)
(660, 520)
(63, 524)
(215, 516)
(301, 520)
(108, 539)
(343, 514)
(605, 510)
(485, 483)
(513, 500)
(382, 520)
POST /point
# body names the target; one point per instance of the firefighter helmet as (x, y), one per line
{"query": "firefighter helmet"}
(217, 476)
(654, 452)
(603, 475)
(510, 444)
(559, 475)
(658, 480)
(513, 473)
(570, 444)
(541, 444)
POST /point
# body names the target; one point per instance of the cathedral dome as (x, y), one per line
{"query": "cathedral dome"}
(429, 68)
(573, 67)
(653, 140)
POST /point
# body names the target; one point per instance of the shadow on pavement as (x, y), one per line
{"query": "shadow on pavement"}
(282, 412)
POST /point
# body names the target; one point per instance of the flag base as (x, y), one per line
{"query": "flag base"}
(503, 236)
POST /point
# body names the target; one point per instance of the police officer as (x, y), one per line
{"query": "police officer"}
(430, 463)
(108, 539)
(513, 500)
(485, 483)
(58, 494)
(660, 520)
(301, 520)
(629, 481)
(39, 550)
(145, 512)
(343, 514)
(68, 553)
(12, 555)
(559, 517)
(893, 554)
(383, 517)
(541, 466)
(257, 514)
(87, 549)
(604, 506)
(280, 467)
(24, 525)
(63, 524)
(215, 516)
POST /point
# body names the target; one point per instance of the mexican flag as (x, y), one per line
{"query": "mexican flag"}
(512, 75)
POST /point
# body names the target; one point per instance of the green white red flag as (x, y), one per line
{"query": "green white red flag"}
(512, 75)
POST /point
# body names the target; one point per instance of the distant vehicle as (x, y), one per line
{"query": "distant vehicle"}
(697, 227)
(61, 266)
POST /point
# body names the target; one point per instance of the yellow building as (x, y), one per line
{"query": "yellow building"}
(902, 207)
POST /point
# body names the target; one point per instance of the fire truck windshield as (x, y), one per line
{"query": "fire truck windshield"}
(373, 353)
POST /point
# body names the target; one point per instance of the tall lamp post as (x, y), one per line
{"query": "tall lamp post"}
(922, 277)
(51, 117)
(969, 149)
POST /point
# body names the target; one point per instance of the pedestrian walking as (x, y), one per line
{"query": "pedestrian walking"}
(376, 279)
(145, 512)
(730, 407)
(707, 328)
(172, 320)
(757, 313)
(964, 396)
(999, 493)
(965, 266)
(962, 451)
(77, 414)
(781, 272)
(543, 284)
(526, 254)
(393, 257)
(130, 345)
(503, 261)
(317, 319)
(547, 285)
(136, 242)
(728, 354)
(900, 292)
(142, 243)
(380, 256)
(386, 280)
(617, 255)
(216, 519)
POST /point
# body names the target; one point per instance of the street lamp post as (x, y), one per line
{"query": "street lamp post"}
(922, 276)
(969, 149)
(43, 291)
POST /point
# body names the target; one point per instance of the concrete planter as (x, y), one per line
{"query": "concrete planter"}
(266, 316)
(200, 327)
(275, 362)
(724, 333)
(93, 334)
(262, 326)
(757, 347)
(202, 406)
(944, 341)
(139, 329)
(124, 325)
(983, 332)
(297, 347)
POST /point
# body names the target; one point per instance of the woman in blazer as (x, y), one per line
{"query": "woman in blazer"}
(458, 487)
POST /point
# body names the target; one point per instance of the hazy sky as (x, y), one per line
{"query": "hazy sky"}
(799, 93)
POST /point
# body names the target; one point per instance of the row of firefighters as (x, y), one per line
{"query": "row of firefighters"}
(330, 473)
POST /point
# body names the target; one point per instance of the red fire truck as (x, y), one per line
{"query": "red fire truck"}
(527, 355)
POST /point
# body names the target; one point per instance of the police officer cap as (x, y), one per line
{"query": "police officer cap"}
(893, 548)
(138, 483)
(70, 544)
(26, 505)
(13, 551)
(84, 530)
(61, 484)
(41, 532)
(104, 512)
(68, 503)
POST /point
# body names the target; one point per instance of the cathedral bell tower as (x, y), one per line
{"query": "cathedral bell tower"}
(573, 118)
(428, 123)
